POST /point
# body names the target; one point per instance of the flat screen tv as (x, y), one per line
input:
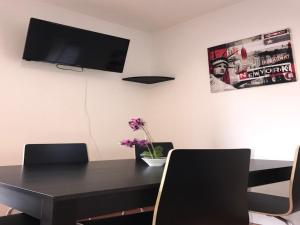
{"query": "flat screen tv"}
(64, 45)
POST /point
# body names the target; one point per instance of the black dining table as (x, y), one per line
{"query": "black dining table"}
(62, 194)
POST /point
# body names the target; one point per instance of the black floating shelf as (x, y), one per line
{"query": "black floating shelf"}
(148, 79)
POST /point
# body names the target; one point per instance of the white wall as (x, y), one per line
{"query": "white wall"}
(265, 119)
(42, 104)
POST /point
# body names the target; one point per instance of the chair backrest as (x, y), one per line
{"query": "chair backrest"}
(55, 153)
(295, 185)
(204, 187)
(167, 146)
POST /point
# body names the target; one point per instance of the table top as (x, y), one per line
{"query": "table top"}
(95, 177)
(262, 164)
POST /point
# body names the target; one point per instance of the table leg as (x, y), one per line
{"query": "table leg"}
(58, 213)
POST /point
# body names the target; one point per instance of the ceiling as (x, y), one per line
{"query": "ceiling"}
(146, 15)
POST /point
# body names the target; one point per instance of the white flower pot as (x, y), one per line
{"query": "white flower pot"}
(155, 162)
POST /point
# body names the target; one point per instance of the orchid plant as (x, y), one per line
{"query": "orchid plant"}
(151, 152)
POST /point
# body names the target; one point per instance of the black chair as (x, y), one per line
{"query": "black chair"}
(64, 153)
(198, 187)
(55, 153)
(19, 219)
(167, 146)
(278, 206)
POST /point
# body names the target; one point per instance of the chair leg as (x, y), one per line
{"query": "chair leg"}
(9, 211)
(287, 222)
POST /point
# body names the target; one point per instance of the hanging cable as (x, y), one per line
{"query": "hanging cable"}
(89, 119)
(61, 67)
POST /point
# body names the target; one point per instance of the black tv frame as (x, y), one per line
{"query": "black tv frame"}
(30, 54)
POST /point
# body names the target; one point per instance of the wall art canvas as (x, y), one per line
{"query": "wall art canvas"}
(256, 61)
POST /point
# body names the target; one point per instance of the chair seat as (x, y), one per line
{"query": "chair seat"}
(144, 218)
(18, 219)
(267, 204)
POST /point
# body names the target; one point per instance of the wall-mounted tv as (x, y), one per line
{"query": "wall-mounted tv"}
(64, 45)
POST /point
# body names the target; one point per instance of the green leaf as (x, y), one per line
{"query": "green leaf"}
(157, 153)
(146, 154)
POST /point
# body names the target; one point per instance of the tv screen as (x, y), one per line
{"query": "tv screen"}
(65, 45)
